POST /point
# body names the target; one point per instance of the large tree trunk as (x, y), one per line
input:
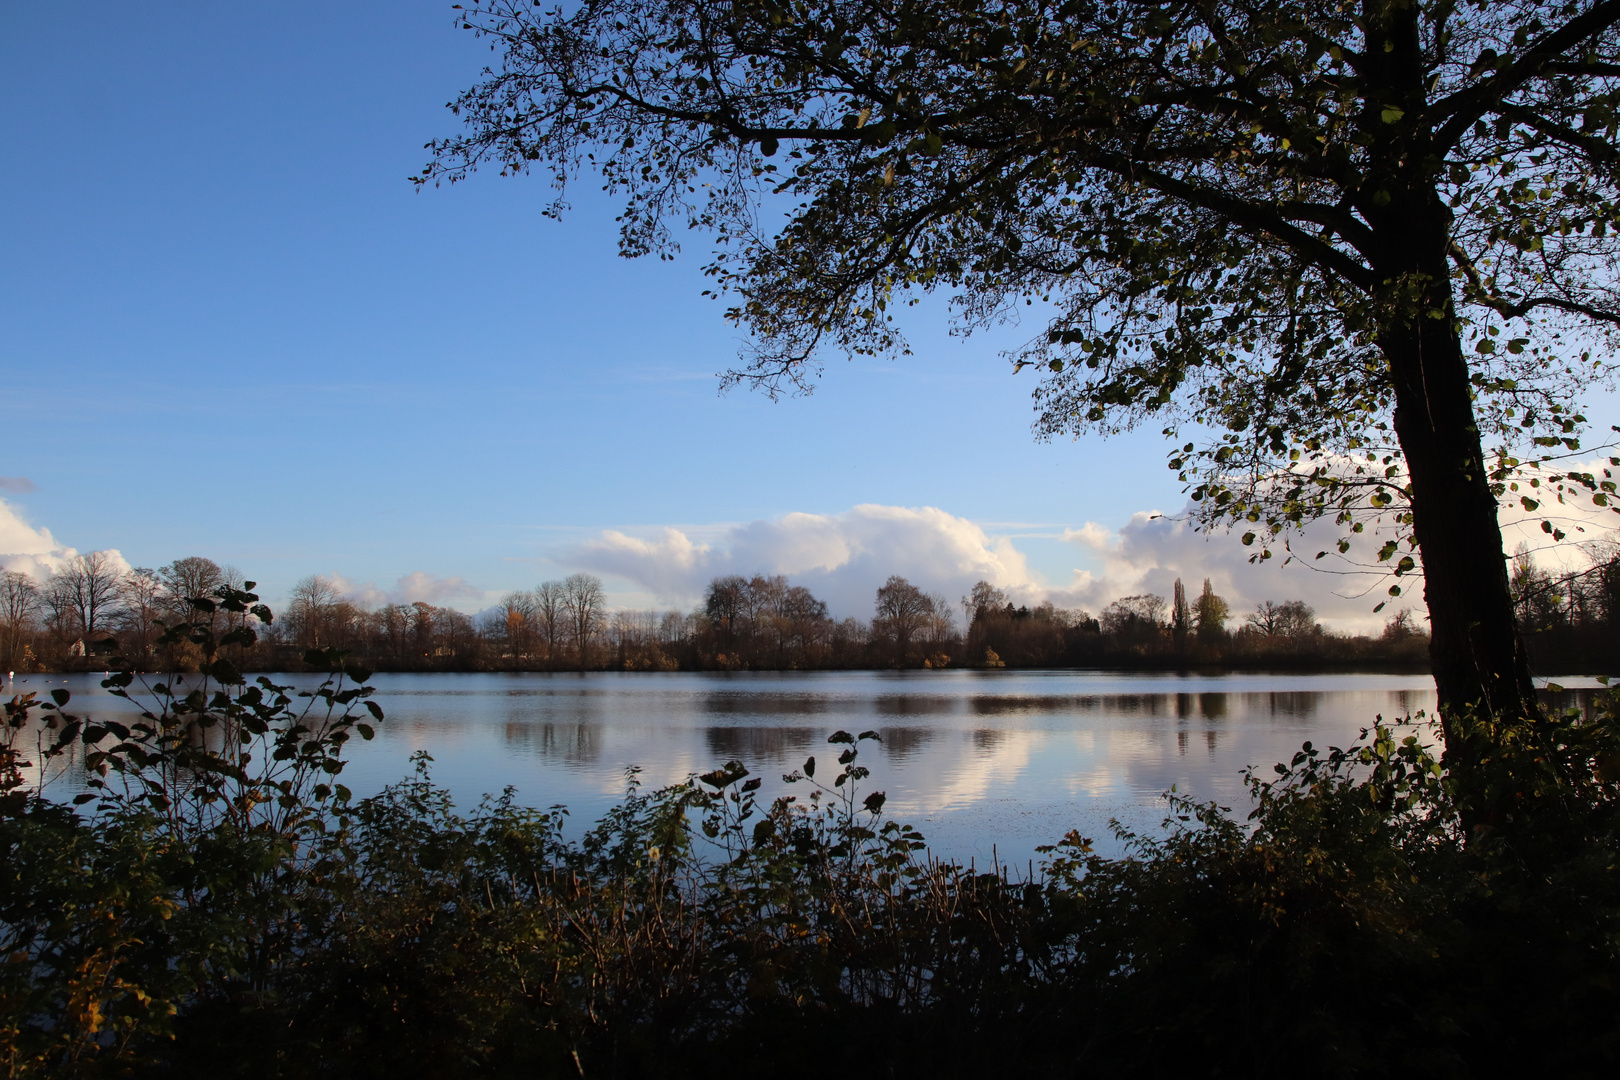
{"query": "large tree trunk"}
(1480, 666)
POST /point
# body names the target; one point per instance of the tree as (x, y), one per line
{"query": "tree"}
(1134, 619)
(143, 609)
(1400, 626)
(516, 622)
(1209, 615)
(312, 611)
(1180, 617)
(582, 601)
(940, 628)
(903, 611)
(61, 614)
(1291, 618)
(551, 615)
(1607, 572)
(91, 586)
(19, 605)
(984, 599)
(183, 579)
(1330, 248)
(801, 620)
(727, 605)
(393, 627)
(1537, 600)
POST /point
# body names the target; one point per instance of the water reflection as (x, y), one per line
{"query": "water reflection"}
(573, 744)
(914, 705)
(760, 744)
(900, 743)
(742, 703)
(972, 758)
(1292, 703)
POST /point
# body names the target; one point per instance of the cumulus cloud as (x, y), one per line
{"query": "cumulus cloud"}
(1098, 538)
(1151, 551)
(844, 557)
(1583, 523)
(413, 587)
(841, 557)
(31, 549)
(19, 485)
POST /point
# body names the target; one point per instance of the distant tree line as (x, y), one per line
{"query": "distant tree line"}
(90, 609)
(1145, 631)
(1571, 618)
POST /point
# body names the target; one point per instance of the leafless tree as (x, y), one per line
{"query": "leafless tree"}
(674, 629)
(903, 610)
(143, 610)
(1291, 618)
(19, 607)
(551, 618)
(311, 608)
(183, 579)
(582, 601)
(93, 586)
(940, 628)
(729, 606)
(515, 621)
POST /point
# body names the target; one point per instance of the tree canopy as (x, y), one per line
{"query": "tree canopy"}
(1353, 257)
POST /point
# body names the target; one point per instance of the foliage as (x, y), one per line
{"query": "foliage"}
(204, 858)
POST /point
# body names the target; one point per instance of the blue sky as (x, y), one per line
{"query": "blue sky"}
(230, 326)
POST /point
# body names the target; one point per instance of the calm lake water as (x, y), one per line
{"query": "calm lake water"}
(983, 763)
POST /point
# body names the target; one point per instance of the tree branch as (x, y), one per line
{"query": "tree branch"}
(1473, 102)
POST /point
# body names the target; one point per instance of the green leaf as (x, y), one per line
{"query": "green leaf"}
(1392, 113)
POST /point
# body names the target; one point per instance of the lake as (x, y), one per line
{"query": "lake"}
(987, 764)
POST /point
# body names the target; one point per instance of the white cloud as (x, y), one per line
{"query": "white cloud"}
(842, 558)
(1151, 551)
(29, 549)
(1581, 521)
(412, 587)
(1091, 535)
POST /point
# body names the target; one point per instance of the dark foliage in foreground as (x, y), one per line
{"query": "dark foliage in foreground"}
(219, 906)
